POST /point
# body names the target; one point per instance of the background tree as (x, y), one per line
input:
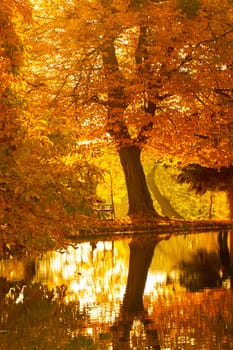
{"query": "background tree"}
(155, 76)
(202, 179)
(165, 204)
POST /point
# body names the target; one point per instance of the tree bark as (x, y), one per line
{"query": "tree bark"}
(138, 194)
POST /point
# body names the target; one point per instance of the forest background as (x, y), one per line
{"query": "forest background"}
(91, 90)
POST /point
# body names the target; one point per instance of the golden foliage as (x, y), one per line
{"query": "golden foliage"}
(175, 56)
(157, 75)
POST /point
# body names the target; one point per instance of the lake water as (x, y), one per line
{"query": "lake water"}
(75, 298)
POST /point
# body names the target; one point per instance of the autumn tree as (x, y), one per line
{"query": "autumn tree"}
(155, 76)
(43, 187)
(11, 101)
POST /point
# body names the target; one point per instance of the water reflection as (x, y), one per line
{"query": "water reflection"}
(95, 276)
(118, 295)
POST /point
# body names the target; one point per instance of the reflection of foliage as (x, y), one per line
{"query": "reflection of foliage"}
(42, 320)
(189, 8)
(80, 342)
(196, 320)
(201, 271)
(83, 342)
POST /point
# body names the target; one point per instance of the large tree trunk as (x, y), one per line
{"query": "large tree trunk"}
(141, 254)
(138, 194)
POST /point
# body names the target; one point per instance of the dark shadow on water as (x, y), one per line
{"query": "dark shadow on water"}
(207, 269)
(201, 271)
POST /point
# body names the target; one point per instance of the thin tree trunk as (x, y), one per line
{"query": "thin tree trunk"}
(230, 201)
(211, 205)
(138, 194)
(166, 207)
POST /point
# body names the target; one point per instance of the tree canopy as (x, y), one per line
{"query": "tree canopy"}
(140, 75)
(149, 75)
(155, 72)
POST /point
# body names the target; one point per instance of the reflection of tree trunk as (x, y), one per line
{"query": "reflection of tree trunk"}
(141, 254)
(138, 194)
(224, 253)
(121, 335)
(30, 270)
(231, 253)
(166, 207)
(230, 201)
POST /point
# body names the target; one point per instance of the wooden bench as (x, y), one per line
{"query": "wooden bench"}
(105, 210)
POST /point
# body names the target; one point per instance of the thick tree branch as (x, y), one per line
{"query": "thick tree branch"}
(116, 94)
(144, 71)
(225, 93)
